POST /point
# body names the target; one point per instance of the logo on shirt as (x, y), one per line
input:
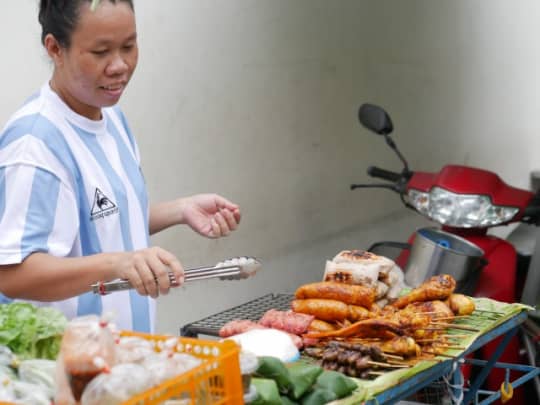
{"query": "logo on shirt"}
(102, 206)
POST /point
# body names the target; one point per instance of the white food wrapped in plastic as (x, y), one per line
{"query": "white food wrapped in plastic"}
(166, 365)
(395, 276)
(132, 349)
(382, 289)
(30, 394)
(40, 372)
(120, 384)
(268, 342)
(351, 273)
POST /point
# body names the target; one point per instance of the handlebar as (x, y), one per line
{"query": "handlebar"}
(375, 171)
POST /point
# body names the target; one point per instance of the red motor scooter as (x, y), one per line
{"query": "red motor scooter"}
(465, 201)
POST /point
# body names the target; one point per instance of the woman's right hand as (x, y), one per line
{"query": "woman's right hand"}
(148, 270)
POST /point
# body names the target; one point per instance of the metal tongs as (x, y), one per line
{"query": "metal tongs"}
(236, 268)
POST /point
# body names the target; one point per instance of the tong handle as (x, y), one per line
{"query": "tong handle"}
(232, 272)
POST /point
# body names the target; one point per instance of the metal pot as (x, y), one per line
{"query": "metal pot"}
(437, 252)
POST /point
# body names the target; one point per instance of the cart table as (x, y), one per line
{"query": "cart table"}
(449, 368)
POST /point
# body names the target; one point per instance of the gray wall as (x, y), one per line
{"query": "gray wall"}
(257, 100)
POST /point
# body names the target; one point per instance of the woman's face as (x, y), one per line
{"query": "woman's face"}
(94, 71)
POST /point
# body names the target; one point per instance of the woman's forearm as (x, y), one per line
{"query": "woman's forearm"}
(43, 277)
(165, 214)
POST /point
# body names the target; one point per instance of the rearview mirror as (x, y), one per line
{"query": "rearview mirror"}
(375, 119)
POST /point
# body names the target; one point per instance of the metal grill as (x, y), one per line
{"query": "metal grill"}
(252, 310)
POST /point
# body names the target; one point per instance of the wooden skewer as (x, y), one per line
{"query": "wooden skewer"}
(456, 336)
(455, 326)
(438, 354)
(393, 356)
(450, 318)
(450, 346)
(388, 365)
(428, 340)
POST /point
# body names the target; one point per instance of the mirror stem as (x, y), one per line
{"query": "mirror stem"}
(390, 142)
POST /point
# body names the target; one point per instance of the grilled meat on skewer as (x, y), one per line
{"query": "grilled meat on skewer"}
(382, 328)
(436, 288)
(461, 304)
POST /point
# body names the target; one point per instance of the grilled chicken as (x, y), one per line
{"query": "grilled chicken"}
(436, 288)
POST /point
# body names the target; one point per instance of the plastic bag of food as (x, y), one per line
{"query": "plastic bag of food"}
(39, 372)
(338, 383)
(30, 394)
(87, 349)
(273, 368)
(119, 384)
(63, 394)
(133, 349)
(303, 376)
(160, 367)
(7, 392)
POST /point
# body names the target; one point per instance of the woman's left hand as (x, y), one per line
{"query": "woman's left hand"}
(210, 215)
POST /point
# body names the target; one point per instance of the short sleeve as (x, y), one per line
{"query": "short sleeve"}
(38, 213)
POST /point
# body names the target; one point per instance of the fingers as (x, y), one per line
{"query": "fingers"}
(174, 267)
(151, 272)
(224, 222)
(222, 202)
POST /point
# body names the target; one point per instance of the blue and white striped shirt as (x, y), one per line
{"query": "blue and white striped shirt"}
(70, 186)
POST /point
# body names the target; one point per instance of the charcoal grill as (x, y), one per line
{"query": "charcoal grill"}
(252, 310)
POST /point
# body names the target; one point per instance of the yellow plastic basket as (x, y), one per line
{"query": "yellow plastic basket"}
(217, 380)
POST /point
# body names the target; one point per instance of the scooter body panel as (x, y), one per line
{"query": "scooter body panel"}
(470, 180)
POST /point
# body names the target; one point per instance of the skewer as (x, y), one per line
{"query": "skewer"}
(393, 356)
(454, 326)
(388, 365)
(450, 346)
(377, 372)
(438, 354)
(456, 336)
(450, 318)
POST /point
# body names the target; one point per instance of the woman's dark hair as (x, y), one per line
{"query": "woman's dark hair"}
(60, 17)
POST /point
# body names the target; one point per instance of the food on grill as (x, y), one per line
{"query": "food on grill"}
(237, 326)
(359, 267)
(357, 313)
(320, 326)
(355, 360)
(367, 328)
(325, 309)
(287, 321)
(436, 308)
(349, 294)
(402, 345)
(461, 304)
(436, 288)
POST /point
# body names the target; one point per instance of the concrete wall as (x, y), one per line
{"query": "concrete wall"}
(257, 100)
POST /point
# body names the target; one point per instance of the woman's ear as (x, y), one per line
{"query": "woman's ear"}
(54, 49)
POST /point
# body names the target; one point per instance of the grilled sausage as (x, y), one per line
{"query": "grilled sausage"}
(350, 294)
(326, 310)
(320, 326)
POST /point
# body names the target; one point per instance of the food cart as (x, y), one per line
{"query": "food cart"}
(503, 322)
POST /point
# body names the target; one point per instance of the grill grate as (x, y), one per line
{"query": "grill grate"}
(252, 310)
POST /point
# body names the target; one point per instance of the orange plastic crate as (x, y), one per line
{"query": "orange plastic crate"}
(217, 380)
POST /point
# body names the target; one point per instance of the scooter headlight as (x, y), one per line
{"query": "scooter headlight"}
(459, 210)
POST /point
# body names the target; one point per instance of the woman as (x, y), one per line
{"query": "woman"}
(73, 203)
